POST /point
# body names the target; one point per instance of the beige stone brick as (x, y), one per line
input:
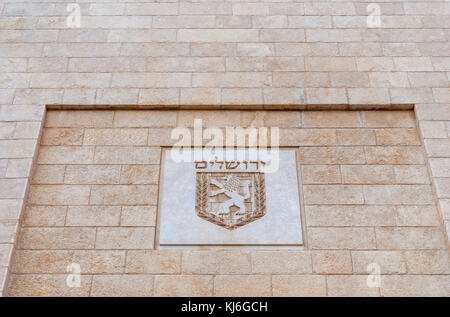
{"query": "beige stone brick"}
(59, 194)
(352, 79)
(432, 111)
(122, 285)
(307, 137)
(5, 254)
(321, 174)
(433, 129)
(306, 22)
(200, 96)
(155, 262)
(183, 285)
(367, 174)
(143, 119)
(121, 96)
(427, 262)
(21, 112)
(282, 119)
(337, 64)
(10, 208)
(216, 262)
(442, 186)
(185, 64)
(79, 96)
(68, 80)
(62, 136)
(441, 95)
(417, 216)
(388, 79)
(126, 155)
(281, 35)
(337, 119)
(270, 22)
(284, 96)
(49, 174)
(45, 216)
(332, 155)
(329, 215)
(17, 148)
(411, 95)
(139, 174)
(123, 195)
(332, 35)
(218, 35)
(240, 96)
(427, 79)
(415, 285)
(65, 155)
(398, 194)
(242, 285)
(356, 137)
(8, 230)
(375, 64)
(160, 137)
(333, 194)
(326, 95)
(437, 147)
(299, 285)
(341, 238)
(150, 80)
(12, 188)
(409, 238)
(30, 96)
(46, 285)
(122, 136)
(27, 130)
(138, 216)
(209, 118)
(233, 22)
(232, 79)
(57, 238)
(389, 119)
(287, 262)
(411, 174)
(350, 285)
(18, 168)
(151, 9)
(368, 95)
(125, 238)
(92, 174)
(264, 63)
(394, 155)
(159, 96)
(85, 216)
(332, 262)
(390, 262)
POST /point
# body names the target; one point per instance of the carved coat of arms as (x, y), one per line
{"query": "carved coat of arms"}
(230, 199)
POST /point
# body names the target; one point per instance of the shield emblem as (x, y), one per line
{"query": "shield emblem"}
(230, 199)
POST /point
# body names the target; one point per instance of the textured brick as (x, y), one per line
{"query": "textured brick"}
(242, 285)
(409, 238)
(183, 285)
(390, 262)
(91, 174)
(220, 262)
(85, 216)
(331, 262)
(47, 285)
(415, 285)
(45, 216)
(337, 119)
(156, 262)
(57, 238)
(341, 238)
(122, 285)
(287, 262)
(333, 194)
(123, 195)
(299, 285)
(125, 238)
(321, 174)
(350, 285)
(398, 194)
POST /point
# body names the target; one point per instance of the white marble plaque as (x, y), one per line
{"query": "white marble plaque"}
(223, 201)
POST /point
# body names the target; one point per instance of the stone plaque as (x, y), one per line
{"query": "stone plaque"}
(221, 202)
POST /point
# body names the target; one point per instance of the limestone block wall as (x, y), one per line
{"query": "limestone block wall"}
(217, 54)
(365, 186)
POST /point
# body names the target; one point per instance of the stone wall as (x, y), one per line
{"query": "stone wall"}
(365, 186)
(215, 55)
